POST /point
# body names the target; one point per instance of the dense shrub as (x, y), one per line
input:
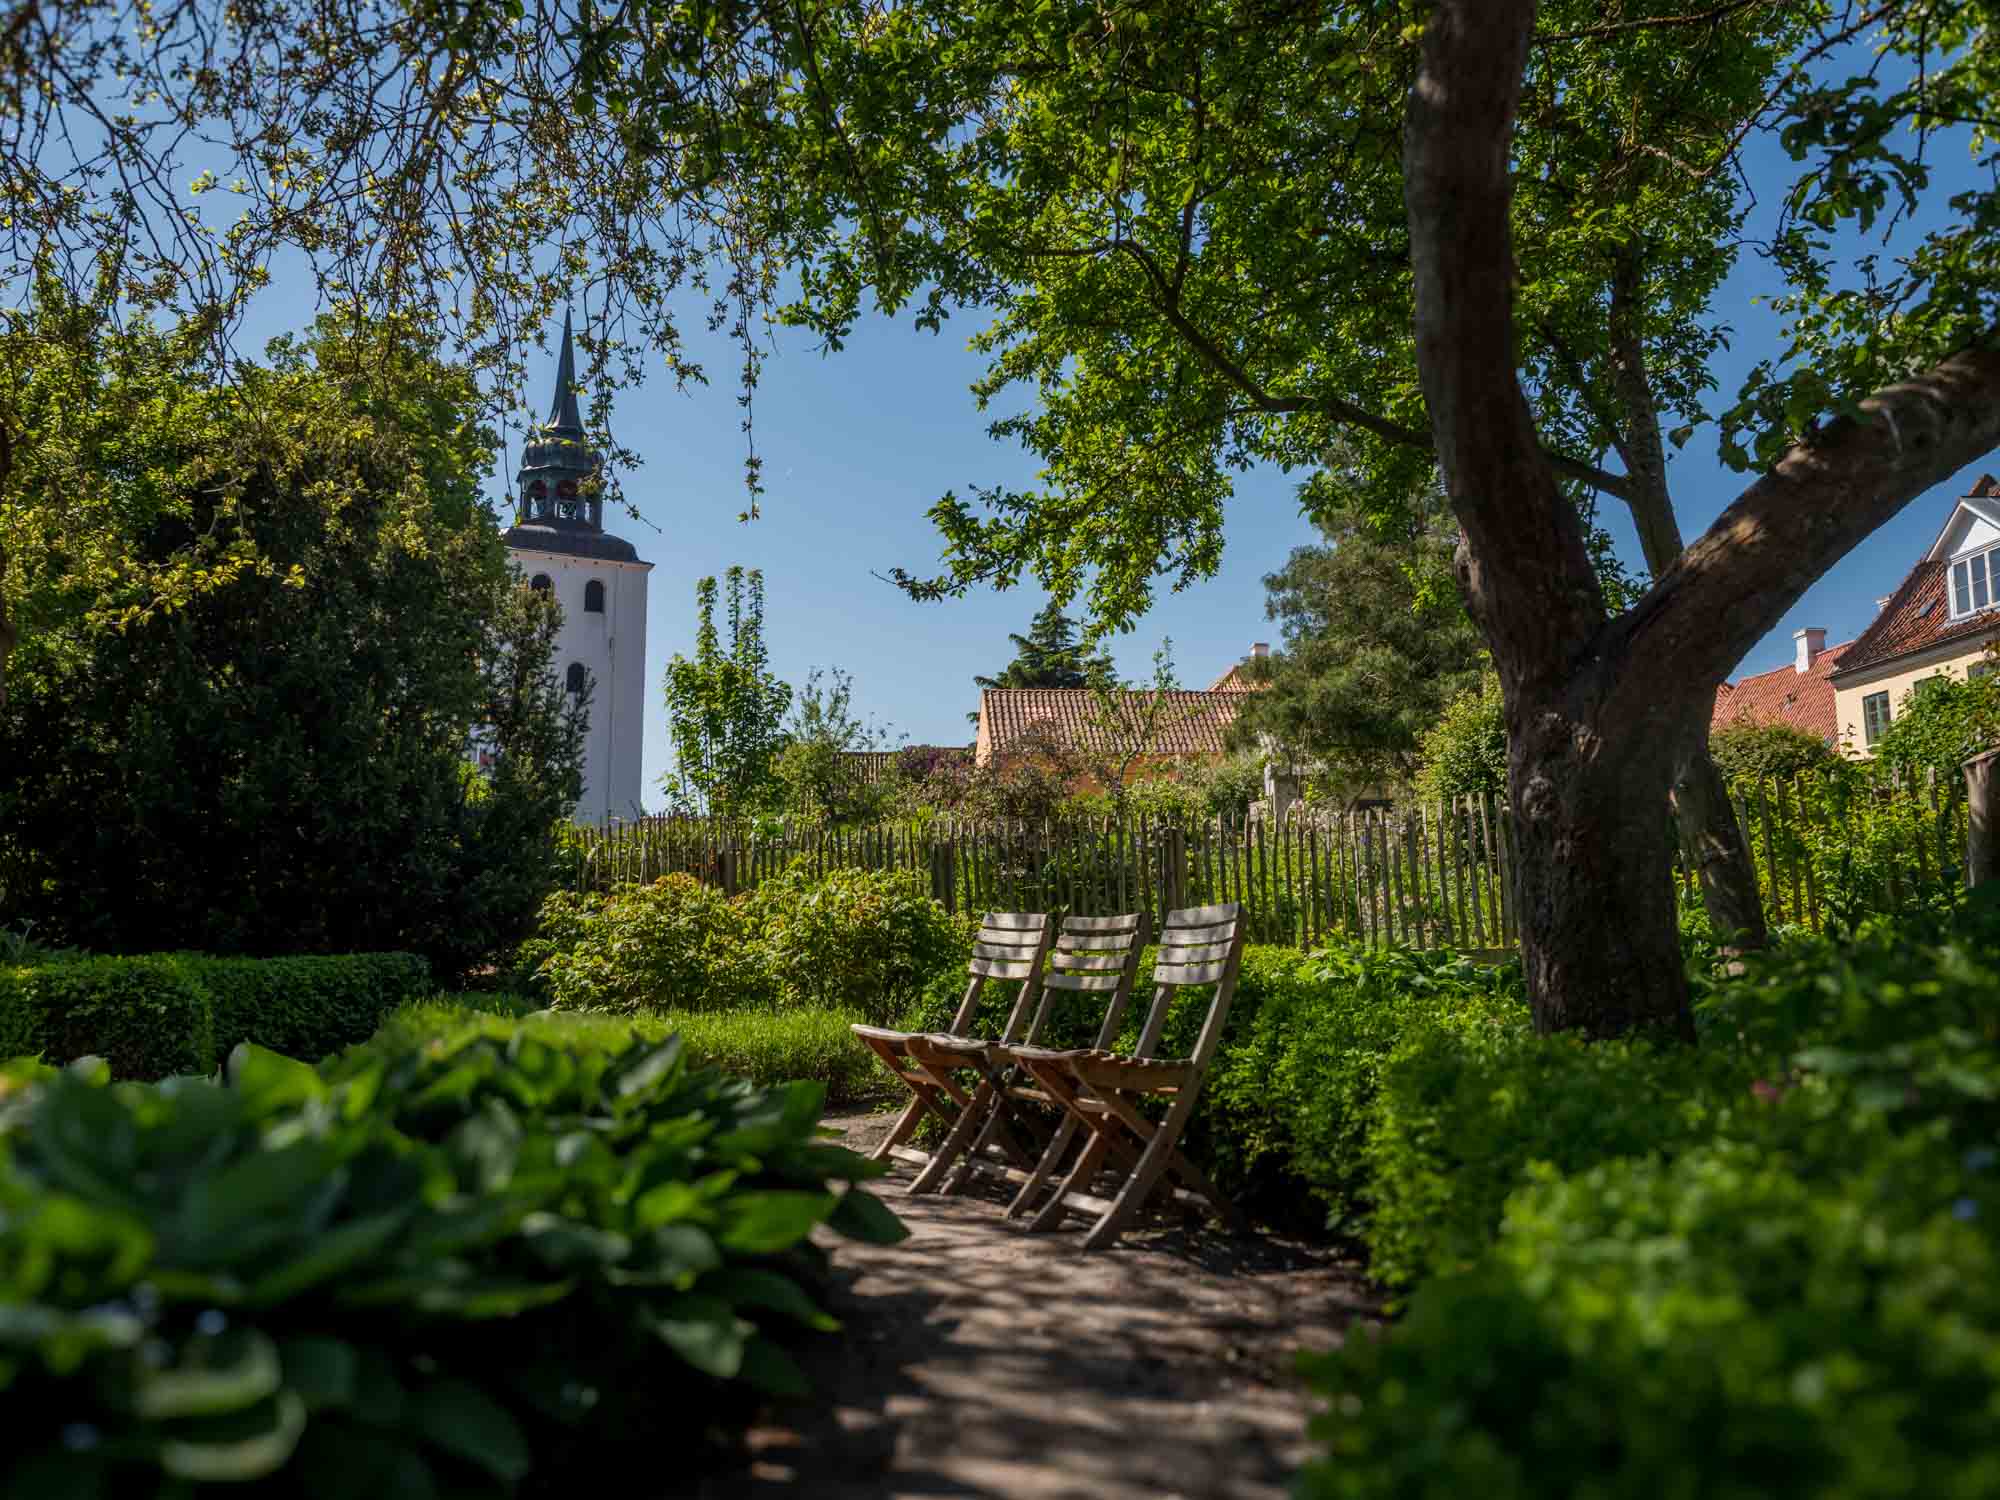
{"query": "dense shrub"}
(1749, 750)
(675, 943)
(870, 939)
(1467, 1104)
(148, 1017)
(437, 1270)
(305, 1007)
(1796, 1295)
(153, 1016)
(766, 1047)
(861, 939)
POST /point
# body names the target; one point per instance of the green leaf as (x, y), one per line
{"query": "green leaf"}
(223, 1374)
(335, 1252)
(860, 1215)
(704, 1332)
(771, 1370)
(762, 1223)
(460, 1419)
(324, 1371)
(751, 1286)
(236, 1459)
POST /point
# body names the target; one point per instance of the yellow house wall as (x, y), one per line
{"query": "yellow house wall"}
(1897, 679)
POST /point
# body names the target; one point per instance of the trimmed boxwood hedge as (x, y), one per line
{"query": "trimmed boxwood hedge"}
(156, 1015)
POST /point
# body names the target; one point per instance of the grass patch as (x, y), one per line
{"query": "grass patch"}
(766, 1047)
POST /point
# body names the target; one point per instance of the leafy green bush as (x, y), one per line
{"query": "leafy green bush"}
(1795, 1296)
(1940, 723)
(675, 943)
(1752, 751)
(866, 940)
(1468, 1104)
(309, 1006)
(157, 1015)
(766, 1047)
(871, 939)
(452, 1268)
(1465, 752)
(148, 1017)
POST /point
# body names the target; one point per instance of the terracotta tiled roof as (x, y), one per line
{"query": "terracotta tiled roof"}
(1917, 616)
(1235, 680)
(1011, 718)
(1803, 700)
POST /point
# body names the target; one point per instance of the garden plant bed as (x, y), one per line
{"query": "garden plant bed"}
(979, 1360)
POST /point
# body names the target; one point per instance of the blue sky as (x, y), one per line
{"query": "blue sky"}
(856, 445)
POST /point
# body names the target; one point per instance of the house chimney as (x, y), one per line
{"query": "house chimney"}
(1259, 650)
(1809, 643)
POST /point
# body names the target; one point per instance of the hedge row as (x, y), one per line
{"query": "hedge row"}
(161, 1014)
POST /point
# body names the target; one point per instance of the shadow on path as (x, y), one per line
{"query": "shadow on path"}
(979, 1360)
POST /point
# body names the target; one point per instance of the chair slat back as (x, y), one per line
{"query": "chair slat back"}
(1093, 956)
(1011, 945)
(1199, 945)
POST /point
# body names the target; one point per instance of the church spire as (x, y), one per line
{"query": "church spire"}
(563, 413)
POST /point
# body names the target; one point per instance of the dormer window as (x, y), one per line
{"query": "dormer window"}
(1971, 588)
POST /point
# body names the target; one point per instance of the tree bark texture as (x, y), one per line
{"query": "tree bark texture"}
(1601, 711)
(1982, 819)
(1706, 818)
(1711, 832)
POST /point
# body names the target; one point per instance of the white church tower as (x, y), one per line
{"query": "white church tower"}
(560, 543)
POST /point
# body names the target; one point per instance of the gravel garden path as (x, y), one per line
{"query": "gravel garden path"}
(980, 1361)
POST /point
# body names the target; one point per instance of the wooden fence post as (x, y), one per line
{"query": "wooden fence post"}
(1982, 822)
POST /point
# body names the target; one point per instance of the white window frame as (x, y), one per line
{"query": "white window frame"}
(1873, 728)
(1971, 576)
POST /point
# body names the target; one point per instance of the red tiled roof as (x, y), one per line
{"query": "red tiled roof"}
(1191, 723)
(1803, 700)
(1917, 617)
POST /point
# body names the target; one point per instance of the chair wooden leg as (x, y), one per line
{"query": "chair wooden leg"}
(1038, 1179)
(979, 1111)
(905, 1126)
(1144, 1177)
(1087, 1162)
(1178, 1165)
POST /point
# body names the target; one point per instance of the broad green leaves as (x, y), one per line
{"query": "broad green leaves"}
(226, 1283)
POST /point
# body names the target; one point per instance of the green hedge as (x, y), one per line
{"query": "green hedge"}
(485, 1266)
(769, 1048)
(158, 1015)
(1767, 1266)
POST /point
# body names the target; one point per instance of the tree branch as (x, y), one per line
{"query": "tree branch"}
(1810, 509)
(1650, 501)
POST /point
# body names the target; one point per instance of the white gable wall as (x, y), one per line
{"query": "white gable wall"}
(612, 648)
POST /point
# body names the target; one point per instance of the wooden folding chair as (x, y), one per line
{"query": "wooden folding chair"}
(1200, 946)
(1010, 946)
(1096, 956)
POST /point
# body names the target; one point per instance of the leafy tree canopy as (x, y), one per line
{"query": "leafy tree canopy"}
(725, 707)
(1050, 656)
(271, 757)
(1465, 752)
(1376, 643)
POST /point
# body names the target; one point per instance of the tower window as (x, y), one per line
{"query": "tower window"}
(593, 597)
(541, 583)
(574, 682)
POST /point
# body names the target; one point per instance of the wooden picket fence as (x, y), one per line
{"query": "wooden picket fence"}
(1434, 875)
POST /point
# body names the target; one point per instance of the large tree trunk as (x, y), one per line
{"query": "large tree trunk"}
(1594, 881)
(1599, 709)
(1712, 834)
